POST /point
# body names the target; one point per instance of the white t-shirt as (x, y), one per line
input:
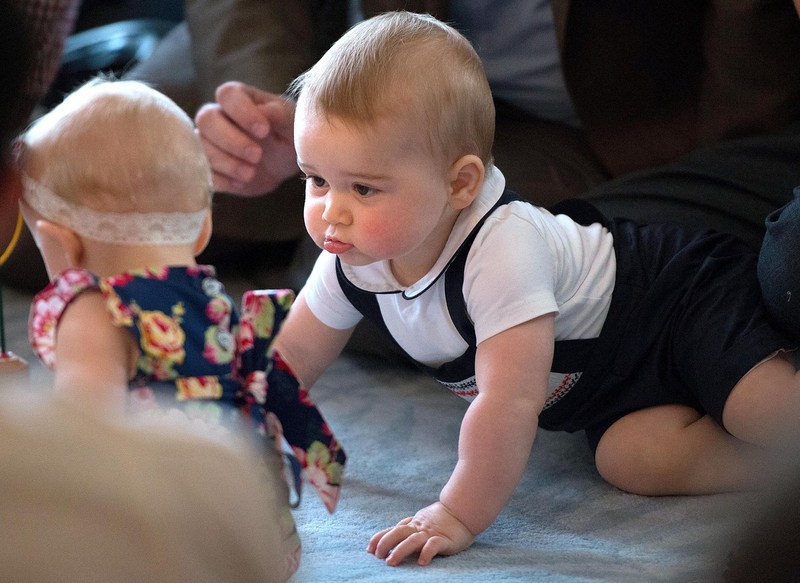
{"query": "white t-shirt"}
(524, 263)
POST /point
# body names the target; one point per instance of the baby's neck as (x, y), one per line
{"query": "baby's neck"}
(104, 260)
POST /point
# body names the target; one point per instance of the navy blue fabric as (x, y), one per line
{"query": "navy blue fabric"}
(686, 323)
(779, 266)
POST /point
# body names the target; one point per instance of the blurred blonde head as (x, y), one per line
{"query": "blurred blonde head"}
(119, 146)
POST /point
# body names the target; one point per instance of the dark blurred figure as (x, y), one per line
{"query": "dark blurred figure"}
(768, 550)
(17, 56)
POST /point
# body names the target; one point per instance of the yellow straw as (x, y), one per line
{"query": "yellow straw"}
(14, 239)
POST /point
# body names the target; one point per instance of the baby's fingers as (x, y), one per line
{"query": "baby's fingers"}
(412, 544)
(373, 542)
(392, 538)
(376, 538)
(434, 546)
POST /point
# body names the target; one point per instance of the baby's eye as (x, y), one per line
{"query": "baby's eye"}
(316, 181)
(363, 190)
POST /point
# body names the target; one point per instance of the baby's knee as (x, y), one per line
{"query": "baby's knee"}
(616, 468)
(628, 470)
(629, 463)
(642, 454)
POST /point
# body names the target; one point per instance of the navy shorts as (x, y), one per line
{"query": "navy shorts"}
(686, 323)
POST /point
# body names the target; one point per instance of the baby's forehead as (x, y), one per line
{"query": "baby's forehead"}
(386, 124)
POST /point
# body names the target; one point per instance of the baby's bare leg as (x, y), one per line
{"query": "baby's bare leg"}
(764, 406)
(673, 449)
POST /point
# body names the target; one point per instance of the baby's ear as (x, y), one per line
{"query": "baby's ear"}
(466, 179)
(204, 236)
(61, 247)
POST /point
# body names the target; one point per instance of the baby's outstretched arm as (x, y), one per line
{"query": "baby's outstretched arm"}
(308, 345)
(496, 437)
(94, 358)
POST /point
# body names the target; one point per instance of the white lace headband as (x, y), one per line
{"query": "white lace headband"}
(110, 227)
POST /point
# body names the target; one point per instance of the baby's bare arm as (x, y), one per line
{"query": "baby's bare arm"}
(496, 437)
(308, 345)
(94, 358)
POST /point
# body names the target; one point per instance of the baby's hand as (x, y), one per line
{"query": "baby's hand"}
(431, 531)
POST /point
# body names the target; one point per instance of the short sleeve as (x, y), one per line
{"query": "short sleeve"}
(49, 306)
(510, 276)
(325, 298)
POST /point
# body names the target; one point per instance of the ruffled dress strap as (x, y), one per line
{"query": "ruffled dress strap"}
(277, 401)
(49, 306)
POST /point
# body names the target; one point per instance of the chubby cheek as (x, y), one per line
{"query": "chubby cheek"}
(312, 217)
(384, 237)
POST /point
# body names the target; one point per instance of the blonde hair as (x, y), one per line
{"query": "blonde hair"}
(119, 146)
(405, 64)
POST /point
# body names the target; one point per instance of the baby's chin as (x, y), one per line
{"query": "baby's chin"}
(361, 261)
(355, 258)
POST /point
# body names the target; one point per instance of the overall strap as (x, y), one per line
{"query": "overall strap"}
(363, 301)
(454, 276)
(581, 211)
(569, 355)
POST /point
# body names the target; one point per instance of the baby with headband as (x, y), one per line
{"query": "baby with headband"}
(117, 194)
(115, 183)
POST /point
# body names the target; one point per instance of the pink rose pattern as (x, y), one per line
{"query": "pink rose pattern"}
(47, 308)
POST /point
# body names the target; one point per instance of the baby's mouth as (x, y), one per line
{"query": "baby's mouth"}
(332, 245)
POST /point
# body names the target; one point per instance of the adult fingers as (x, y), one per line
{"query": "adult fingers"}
(240, 102)
(225, 166)
(281, 117)
(224, 184)
(216, 128)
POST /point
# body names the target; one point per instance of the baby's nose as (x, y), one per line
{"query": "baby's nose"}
(336, 210)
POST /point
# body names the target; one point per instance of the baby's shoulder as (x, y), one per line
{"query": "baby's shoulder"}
(49, 306)
(64, 288)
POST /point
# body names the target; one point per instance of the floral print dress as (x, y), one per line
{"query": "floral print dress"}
(181, 319)
(199, 359)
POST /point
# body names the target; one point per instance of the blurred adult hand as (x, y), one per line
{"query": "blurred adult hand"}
(248, 137)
